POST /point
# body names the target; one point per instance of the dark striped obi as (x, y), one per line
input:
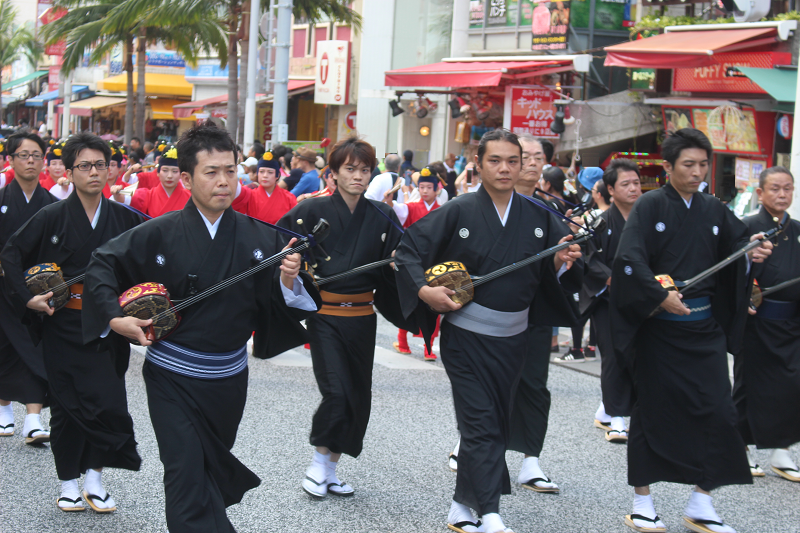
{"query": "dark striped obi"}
(700, 310)
(775, 310)
(195, 364)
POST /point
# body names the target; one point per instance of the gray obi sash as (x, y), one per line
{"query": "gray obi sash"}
(484, 321)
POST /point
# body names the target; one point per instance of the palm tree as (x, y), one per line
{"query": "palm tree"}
(16, 41)
(192, 28)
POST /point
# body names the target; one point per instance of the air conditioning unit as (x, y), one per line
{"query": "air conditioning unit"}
(747, 10)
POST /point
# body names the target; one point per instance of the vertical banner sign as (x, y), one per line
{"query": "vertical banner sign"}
(264, 123)
(550, 25)
(529, 109)
(46, 17)
(332, 73)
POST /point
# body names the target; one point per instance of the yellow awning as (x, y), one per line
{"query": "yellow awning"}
(162, 108)
(84, 108)
(154, 84)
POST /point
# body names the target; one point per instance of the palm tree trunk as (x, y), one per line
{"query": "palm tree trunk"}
(233, 74)
(245, 32)
(129, 97)
(141, 60)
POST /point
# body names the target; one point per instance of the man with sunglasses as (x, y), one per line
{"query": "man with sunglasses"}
(22, 373)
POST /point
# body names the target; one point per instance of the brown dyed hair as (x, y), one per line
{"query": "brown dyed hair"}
(352, 149)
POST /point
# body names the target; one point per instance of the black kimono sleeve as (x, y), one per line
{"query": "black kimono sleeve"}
(19, 254)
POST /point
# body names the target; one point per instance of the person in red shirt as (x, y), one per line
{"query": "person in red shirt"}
(114, 168)
(267, 202)
(168, 195)
(428, 186)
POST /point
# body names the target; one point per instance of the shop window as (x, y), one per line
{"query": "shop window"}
(299, 42)
(342, 33)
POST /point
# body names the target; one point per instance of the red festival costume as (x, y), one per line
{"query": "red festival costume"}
(258, 204)
(155, 202)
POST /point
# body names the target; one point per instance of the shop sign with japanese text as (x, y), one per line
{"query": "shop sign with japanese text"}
(332, 83)
(550, 25)
(529, 109)
(721, 77)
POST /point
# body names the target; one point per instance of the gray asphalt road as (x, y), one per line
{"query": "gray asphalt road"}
(402, 482)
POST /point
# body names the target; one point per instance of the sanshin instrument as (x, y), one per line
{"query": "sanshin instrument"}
(47, 277)
(668, 283)
(352, 271)
(758, 293)
(454, 275)
(152, 300)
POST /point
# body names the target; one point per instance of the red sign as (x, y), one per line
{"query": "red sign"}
(531, 111)
(721, 78)
(47, 17)
(350, 120)
(323, 68)
(52, 76)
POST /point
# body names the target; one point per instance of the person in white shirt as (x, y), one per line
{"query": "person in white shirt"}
(384, 182)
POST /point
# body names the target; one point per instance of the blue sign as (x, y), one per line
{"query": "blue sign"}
(206, 72)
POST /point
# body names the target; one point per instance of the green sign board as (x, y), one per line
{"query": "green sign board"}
(643, 79)
(608, 14)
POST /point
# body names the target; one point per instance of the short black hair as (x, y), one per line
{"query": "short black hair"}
(352, 149)
(497, 135)
(611, 172)
(137, 139)
(603, 191)
(548, 148)
(14, 141)
(684, 139)
(83, 141)
(206, 136)
(555, 177)
(408, 155)
(762, 178)
(258, 150)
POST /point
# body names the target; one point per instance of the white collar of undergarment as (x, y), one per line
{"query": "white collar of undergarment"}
(212, 228)
(504, 218)
(96, 218)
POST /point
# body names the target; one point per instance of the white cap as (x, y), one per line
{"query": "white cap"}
(251, 162)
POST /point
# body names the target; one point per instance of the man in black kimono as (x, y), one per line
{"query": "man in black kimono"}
(343, 332)
(484, 343)
(22, 374)
(622, 180)
(767, 371)
(683, 425)
(197, 380)
(532, 400)
(91, 427)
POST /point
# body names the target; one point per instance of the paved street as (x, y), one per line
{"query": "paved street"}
(402, 482)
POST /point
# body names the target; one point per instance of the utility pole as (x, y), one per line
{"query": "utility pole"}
(252, 74)
(65, 119)
(280, 91)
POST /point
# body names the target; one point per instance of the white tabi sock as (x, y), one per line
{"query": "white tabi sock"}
(700, 507)
(93, 484)
(618, 424)
(461, 513)
(458, 446)
(492, 523)
(69, 489)
(6, 414)
(32, 422)
(781, 459)
(531, 470)
(601, 415)
(643, 505)
(318, 470)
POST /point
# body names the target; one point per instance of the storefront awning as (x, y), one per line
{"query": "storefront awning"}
(483, 72)
(163, 108)
(184, 110)
(24, 79)
(686, 49)
(154, 84)
(42, 99)
(84, 108)
(781, 84)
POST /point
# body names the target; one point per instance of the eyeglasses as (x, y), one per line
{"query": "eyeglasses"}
(25, 156)
(86, 166)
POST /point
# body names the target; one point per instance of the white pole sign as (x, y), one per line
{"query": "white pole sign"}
(332, 84)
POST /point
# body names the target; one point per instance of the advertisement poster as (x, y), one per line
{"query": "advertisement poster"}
(332, 84)
(715, 132)
(746, 172)
(530, 109)
(550, 25)
(608, 14)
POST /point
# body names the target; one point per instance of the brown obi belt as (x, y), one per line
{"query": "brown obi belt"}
(347, 304)
(75, 296)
